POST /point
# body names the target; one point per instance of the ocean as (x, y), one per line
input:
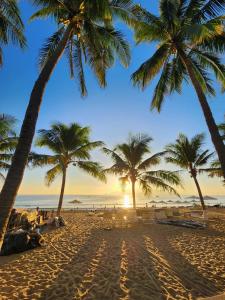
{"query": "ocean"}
(106, 201)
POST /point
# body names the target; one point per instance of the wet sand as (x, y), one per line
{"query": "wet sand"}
(83, 261)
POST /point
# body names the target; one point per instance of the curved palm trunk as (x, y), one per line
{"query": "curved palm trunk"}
(199, 193)
(61, 193)
(213, 129)
(133, 194)
(19, 161)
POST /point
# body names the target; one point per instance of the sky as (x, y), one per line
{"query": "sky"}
(112, 113)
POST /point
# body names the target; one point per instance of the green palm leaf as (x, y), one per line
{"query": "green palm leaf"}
(131, 161)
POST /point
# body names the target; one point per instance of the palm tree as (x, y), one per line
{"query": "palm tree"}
(11, 25)
(8, 141)
(215, 167)
(70, 145)
(188, 155)
(131, 163)
(222, 130)
(86, 32)
(190, 36)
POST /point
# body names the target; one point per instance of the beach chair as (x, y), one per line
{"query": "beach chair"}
(107, 220)
(149, 217)
(160, 214)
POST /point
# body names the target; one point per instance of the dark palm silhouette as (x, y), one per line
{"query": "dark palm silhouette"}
(8, 141)
(188, 155)
(70, 145)
(11, 26)
(133, 162)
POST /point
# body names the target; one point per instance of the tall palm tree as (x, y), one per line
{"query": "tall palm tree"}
(133, 162)
(222, 130)
(190, 36)
(11, 25)
(70, 145)
(189, 155)
(86, 33)
(215, 167)
(8, 141)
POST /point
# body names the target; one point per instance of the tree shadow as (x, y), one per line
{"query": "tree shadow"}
(102, 269)
(188, 274)
(130, 264)
(70, 276)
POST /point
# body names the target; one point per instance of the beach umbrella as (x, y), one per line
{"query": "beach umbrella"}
(75, 201)
(152, 201)
(209, 198)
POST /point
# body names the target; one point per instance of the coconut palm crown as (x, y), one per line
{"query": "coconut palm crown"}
(189, 155)
(70, 145)
(133, 163)
(190, 37)
(8, 141)
(11, 26)
(92, 39)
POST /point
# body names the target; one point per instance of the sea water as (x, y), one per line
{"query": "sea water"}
(107, 201)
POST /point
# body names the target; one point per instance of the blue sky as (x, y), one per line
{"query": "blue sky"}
(112, 113)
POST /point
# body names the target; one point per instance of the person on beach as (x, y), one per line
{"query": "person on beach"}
(12, 218)
(38, 215)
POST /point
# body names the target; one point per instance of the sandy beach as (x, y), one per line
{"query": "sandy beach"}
(84, 261)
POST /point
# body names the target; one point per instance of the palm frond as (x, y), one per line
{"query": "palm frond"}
(163, 87)
(145, 187)
(92, 168)
(124, 10)
(209, 60)
(49, 47)
(7, 126)
(4, 165)
(12, 28)
(39, 160)
(52, 174)
(151, 161)
(159, 181)
(210, 9)
(149, 69)
(203, 78)
(204, 158)
(77, 66)
(83, 151)
(171, 177)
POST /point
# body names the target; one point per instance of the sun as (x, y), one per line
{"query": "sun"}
(126, 201)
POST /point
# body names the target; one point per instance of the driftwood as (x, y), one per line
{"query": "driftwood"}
(182, 223)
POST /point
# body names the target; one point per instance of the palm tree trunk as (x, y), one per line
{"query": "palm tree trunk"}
(19, 161)
(199, 193)
(213, 129)
(133, 194)
(61, 193)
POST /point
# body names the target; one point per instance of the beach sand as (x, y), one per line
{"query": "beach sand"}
(84, 261)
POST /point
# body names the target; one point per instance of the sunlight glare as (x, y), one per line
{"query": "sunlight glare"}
(126, 201)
